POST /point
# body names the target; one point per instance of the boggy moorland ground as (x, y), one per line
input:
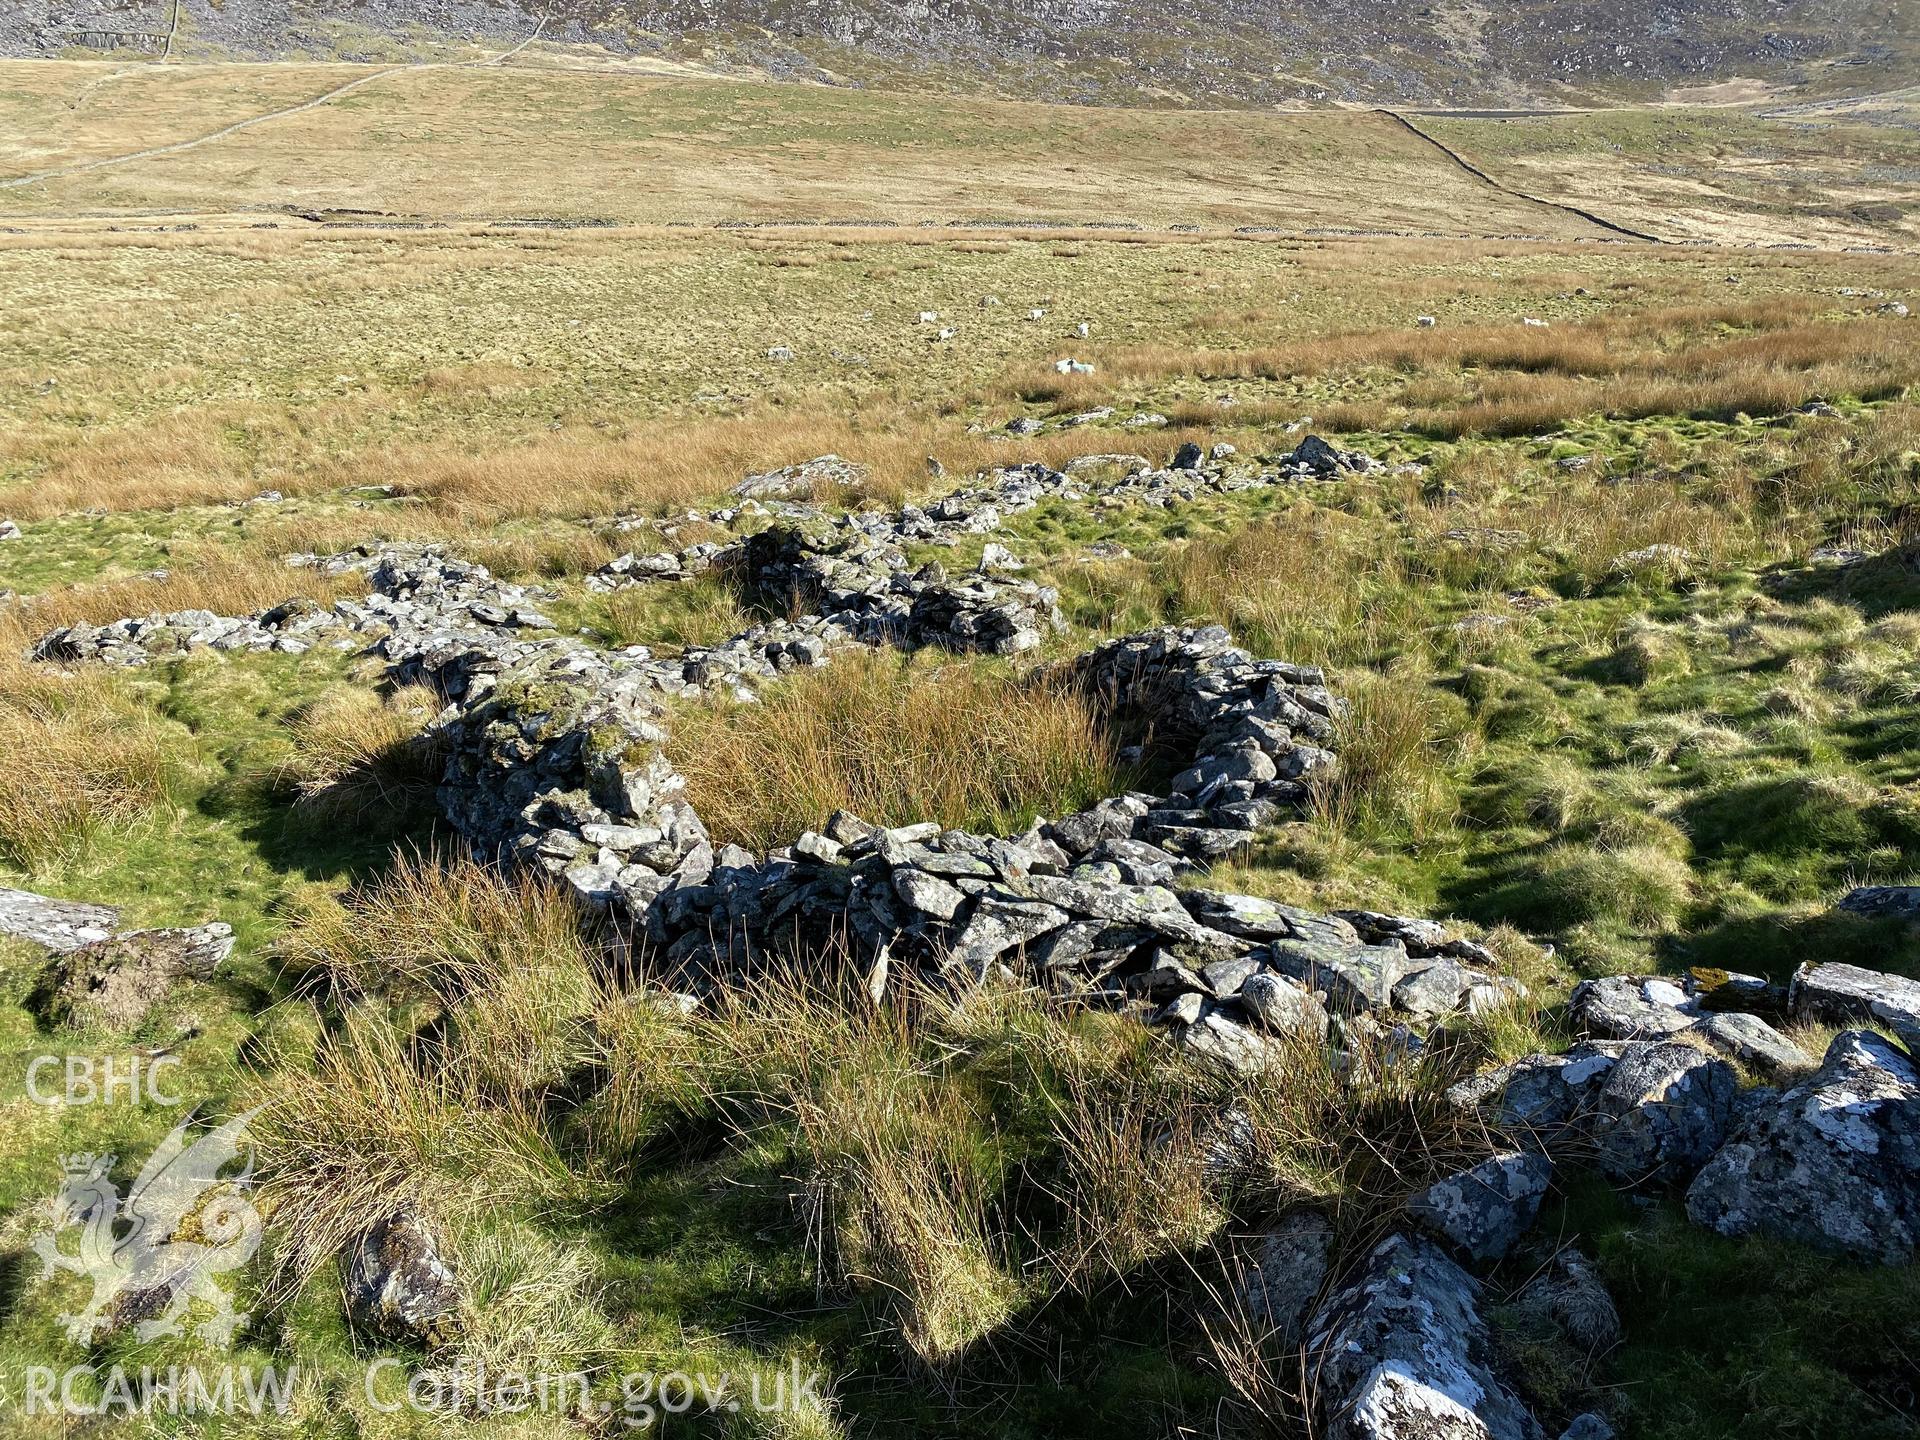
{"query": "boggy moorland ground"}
(1621, 624)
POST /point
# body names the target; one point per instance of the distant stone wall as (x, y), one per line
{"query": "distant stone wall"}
(144, 40)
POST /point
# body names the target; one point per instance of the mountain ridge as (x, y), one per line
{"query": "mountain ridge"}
(1153, 52)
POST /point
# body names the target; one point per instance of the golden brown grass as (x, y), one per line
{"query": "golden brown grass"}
(896, 741)
(1509, 379)
(653, 467)
(448, 1116)
(438, 929)
(504, 957)
(899, 1193)
(1135, 1182)
(358, 755)
(380, 1123)
(1311, 585)
(666, 466)
(228, 580)
(897, 1185)
(562, 143)
(87, 760)
(1392, 747)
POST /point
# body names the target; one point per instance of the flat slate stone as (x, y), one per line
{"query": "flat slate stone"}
(1900, 902)
(60, 925)
(1752, 1041)
(1354, 977)
(1663, 1109)
(1400, 1352)
(1486, 1209)
(1844, 994)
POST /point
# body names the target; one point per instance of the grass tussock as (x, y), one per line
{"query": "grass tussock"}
(1311, 585)
(1136, 1181)
(503, 958)
(896, 741)
(434, 929)
(705, 611)
(899, 1178)
(88, 762)
(379, 1122)
(358, 755)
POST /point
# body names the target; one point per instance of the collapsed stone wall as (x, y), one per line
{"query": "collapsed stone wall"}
(555, 759)
(561, 765)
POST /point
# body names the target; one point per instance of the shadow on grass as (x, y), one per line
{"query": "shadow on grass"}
(322, 847)
(1744, 1337)
(1876, 585)
(722, 1247)
(1777, 945)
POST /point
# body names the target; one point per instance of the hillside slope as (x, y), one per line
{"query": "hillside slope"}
(1443, 53)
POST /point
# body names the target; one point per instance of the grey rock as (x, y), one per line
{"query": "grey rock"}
(1399, 1352)
(1354, 978)
(1216, 1040)
(1184, 1009)
(59, 925)
(1485, 1210)
(1541, 1095)
(1753, 1042)
(848, 828)
(1166, 978)
(1242, 915)
(1898, 902)
(1151, 907)
(816, 849)
(1224, 978)
(1838, 994)
(1435, 989)
(1833, 1163)
(1421, 937)
(1109, 820)
(928, 894)
(800, 482)
(1139, 863)
(399, 1286)
(1663, 1109)
(999, 925)
(1285, 1274)
(1627, 1007)
(1284, 1006)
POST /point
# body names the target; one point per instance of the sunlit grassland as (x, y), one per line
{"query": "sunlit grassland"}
(1652, 709)
(513, 378)
(511, 142)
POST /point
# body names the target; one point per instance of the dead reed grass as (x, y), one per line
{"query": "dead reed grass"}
(360, 756)
(896, 741)
(1706, 361)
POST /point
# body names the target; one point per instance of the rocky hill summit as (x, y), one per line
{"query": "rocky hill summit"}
(1224, 52)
